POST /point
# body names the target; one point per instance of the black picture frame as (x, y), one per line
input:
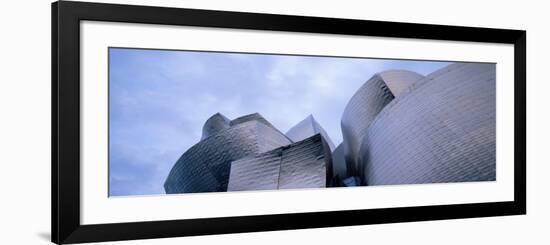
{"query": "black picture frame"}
(65, 167)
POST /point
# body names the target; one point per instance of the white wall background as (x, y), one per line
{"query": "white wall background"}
(25, 122)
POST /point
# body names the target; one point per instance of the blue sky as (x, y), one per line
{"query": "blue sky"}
(159, 100)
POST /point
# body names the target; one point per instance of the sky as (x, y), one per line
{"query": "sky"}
(160, 99)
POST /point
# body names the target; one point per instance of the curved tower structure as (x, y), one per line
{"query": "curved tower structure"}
(205, 166)
(365, 105)
(214, 124)
(440, 130)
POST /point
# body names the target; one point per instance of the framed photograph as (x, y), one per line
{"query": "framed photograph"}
(174, 122)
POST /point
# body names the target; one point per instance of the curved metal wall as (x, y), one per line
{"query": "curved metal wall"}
(365, 105)
(440, 130)
(250, 117)
(214, 124)
(205, 166)
(399, 80)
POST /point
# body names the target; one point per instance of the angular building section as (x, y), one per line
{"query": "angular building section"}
(205, 166)
(442, 129)
(304, 164)
(339, 167)
(307, 128)
(363, 108)
(340, 173)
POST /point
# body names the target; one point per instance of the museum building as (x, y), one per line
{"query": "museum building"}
(398, 128)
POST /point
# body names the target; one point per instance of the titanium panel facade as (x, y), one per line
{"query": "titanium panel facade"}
(339, 167)
(307, 128)
(442, 129)
(304, 164)
(251, 117)
(214, 124)
(205, 166)
(398, 128)
(399, 80)
(363, 108)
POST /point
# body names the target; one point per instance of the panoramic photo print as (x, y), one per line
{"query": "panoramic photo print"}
(203, 121)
